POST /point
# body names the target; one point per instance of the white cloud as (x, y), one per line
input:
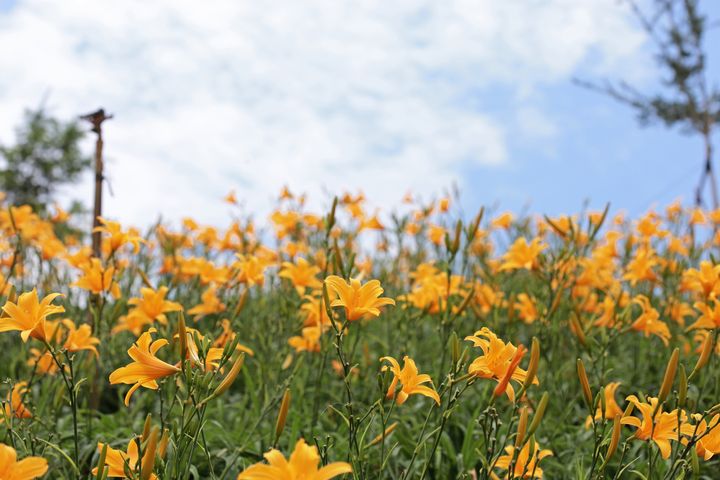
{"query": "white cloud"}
(337, 94)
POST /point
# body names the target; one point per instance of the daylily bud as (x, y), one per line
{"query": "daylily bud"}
(145, 279)
(539, 413)
(669, 378)
(532, 444)
(578, 331)
(163, 443)
(101, 468)
(556, 302)
(240, 304)
(682, 387)
(456, 240)
(715, 409)
(511, 309)
(466, 301)
(454, 348)
(385, 434)
(12, 295)
(707, 349)
(587, 393)
(695, 463)
(282, 415)
(522, 427)
(473, 227)
(146, 427)
(231, 376)
(600, 401)
(614, 439)
(331, 215)
(533, 365)
(287, 362)
(338, 258)
(182, 335)
(148, 460)
(326, 305)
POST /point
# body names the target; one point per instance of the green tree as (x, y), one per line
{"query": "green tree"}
(685, 99)
(45, 156)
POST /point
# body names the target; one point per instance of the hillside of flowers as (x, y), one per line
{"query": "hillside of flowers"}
(351, 343)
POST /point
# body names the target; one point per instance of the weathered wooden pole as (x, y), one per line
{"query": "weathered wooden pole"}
(96, 119)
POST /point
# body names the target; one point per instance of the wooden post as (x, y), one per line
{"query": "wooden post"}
(97, 118)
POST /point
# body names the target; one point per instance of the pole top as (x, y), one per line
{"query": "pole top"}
(96, 118)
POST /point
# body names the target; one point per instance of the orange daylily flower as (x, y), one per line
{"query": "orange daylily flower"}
(302, 465)
(231, 198)
(660, 428)
(227, 336)
(649, 320)
(612, 409)
(641, 266)
(251, 270)
(97, 279)
(153, 306)
(705, 280)
(710, 316)
(522, 255)
(117, 460)
(14, 406)
(504, 220)
(526, 464)
(79, 338)
(301, 274)
(42, 362)
(358, 300)
(212, 356)
(26, 469)
(210, 303)
(709, 445)
(147, 368)
(436, 234)
(308, 342)
(314, 312)
(29, 315)
(117, 237)
(410, 380)
(526, 308)
(496, 360)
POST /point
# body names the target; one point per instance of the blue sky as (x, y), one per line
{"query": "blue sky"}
(328, 95)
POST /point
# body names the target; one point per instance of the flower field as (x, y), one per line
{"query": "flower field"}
(408, 344)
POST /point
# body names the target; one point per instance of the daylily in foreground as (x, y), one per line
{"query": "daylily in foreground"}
(526, 465)
(661, 428)
(25, 469)
(117, 460)
(496, 360)
(147, 368)
(303, 465)
(410, 381)
(709, 445)
(29, 314)
(611, 407)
